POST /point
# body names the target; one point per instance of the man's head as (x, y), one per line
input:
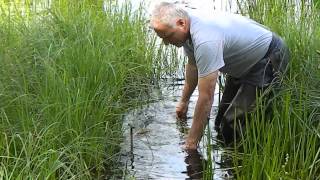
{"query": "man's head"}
(171, 23)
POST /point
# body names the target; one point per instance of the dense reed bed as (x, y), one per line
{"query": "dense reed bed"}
(68, 71)
(284, 142)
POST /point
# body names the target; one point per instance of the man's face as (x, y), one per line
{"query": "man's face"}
(176, 36)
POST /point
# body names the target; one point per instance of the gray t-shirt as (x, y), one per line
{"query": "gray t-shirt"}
(230, 43)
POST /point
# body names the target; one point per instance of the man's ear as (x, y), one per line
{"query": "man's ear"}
(181, 22)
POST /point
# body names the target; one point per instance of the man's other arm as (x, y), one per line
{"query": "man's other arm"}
(191, 82)
(206, 87)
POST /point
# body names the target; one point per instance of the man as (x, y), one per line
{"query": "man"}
(247, 52)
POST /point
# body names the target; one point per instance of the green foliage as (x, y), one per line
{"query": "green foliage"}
(69, 70)
(284, 143)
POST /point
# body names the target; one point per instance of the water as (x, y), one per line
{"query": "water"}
(158, 140)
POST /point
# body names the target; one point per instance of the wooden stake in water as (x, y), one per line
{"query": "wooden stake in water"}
(220, 85)
(131, 145)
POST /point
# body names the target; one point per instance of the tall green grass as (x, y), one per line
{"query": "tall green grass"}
(285, 143)
(68, 71)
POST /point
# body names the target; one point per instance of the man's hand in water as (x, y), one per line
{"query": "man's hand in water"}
(181, 110)
(190, 144)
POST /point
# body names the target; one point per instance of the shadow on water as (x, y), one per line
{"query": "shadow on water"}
(194, 164)
(156, 140)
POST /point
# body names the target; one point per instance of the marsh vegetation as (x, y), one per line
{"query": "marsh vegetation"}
(282, 139)
(70, 69)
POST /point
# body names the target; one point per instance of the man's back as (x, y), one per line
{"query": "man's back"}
(243, 42)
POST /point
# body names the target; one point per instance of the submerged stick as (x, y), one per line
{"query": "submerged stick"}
(220, 84)
(131, 145)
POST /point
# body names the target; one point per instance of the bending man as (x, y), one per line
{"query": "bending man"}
(246, 51)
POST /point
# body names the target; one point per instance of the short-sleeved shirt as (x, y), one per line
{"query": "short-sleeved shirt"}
(230, 43)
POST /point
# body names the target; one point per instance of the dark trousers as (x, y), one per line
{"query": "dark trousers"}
(239, 96)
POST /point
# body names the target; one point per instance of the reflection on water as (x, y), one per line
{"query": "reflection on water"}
(158, 139)
(194, 164)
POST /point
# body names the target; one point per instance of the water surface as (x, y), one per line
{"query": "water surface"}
(158, 139)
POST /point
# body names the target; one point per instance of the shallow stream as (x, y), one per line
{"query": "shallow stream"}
(156, 139)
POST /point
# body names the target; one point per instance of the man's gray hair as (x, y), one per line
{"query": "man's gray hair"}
(167, 13)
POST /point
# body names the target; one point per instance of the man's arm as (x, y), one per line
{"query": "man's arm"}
(206, 87)
(190, 84)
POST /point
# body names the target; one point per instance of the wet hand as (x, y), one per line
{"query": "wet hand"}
(190, 145)
(181, 110)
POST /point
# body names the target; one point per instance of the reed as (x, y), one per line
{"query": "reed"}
(69, 70)
(284, 143)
